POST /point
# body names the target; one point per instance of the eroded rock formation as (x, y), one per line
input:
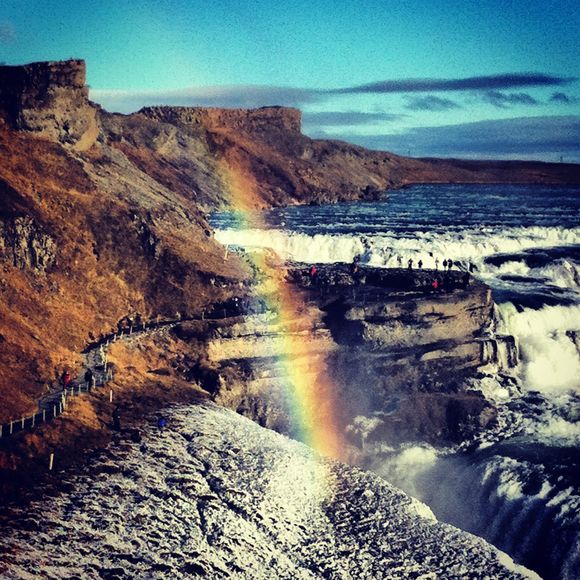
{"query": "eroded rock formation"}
(392, 348)
(25, 244)
(51, 100)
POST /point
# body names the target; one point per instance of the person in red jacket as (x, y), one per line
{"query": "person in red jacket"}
(313, 275)
(66, 380)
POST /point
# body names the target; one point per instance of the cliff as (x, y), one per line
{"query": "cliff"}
(265, 120)
(51, 100)
(395, 352)
(103, 215)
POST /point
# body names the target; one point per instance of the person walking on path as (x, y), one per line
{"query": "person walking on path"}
(89, 380)
(65, 380)
(420, 264)
(436, 263)
(400, 261)
(410, 263)
(117, 418)
(449, 264)
(444, 264)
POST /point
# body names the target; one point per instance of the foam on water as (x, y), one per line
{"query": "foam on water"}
(549, 355)
(461, 245)
(520, 506)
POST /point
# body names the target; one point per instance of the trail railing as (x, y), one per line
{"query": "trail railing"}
(55, 403)
(52, 406)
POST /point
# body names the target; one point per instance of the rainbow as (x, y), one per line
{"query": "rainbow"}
(309, 391)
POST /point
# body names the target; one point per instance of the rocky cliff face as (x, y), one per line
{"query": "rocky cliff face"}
(51, 100)
(396, 353)
(264, 120)
(25, 244)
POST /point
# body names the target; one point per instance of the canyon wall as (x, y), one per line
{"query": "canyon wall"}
(396, 353)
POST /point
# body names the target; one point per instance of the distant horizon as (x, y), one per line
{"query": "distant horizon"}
(491, 80)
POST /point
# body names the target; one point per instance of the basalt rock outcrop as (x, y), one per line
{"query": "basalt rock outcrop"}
(396, 351)
(25, 244)
(51, 100)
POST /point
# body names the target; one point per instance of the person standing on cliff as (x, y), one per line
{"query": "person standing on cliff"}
(313, 275)
(420, 264)
(117, 418)
(444, 264)
(410, 263)
(449, 264)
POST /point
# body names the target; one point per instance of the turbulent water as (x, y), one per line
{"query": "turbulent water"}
(520, 488)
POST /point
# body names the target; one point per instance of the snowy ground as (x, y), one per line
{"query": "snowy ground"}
(215, 495)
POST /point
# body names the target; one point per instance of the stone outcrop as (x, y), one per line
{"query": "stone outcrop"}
(262, 120)
(50, 99)
(25, 245)
(392, 348)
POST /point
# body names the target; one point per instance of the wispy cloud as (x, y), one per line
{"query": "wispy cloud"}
(347, 118)
(506, 100)
(263, 95)
(544, 138)
(7, 33)
(430, 103)
(491, 82)
(563, 98)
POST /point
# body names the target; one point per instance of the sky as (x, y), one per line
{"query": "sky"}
(447, 78)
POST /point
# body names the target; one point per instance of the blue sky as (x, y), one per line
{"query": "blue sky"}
(458, 78)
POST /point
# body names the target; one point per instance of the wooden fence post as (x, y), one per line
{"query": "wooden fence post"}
(22, 426)
(110, 395)
(11, 422)
(43, 415)
(50, 461)
(33, 419)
